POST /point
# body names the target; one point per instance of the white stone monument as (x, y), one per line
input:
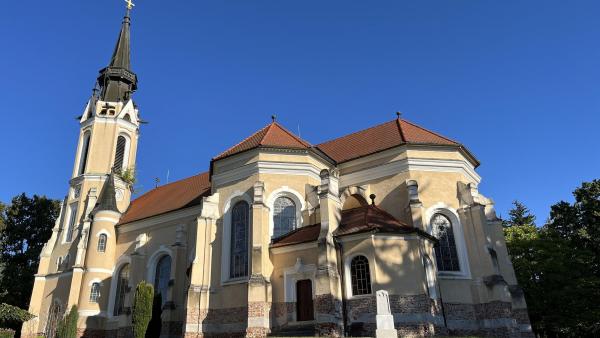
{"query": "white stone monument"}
(385, 320)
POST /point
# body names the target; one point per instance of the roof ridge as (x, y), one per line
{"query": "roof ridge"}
(244, 140)
(430, 131)
(354, 133)
(269, 127)
(398, 120)
(296, 137)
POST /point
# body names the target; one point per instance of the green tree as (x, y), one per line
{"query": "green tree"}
(25, 226)
(67, 328)
(519, 215)
(557, 264)
(142, 308)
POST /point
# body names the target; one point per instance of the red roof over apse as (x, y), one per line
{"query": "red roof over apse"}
(378, 138)
(272, 135)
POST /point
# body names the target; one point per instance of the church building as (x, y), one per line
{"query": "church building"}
(382, 232)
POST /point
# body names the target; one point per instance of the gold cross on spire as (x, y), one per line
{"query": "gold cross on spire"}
(130, 4)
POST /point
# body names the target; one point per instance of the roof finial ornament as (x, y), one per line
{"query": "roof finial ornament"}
(273, 117)
(372, 197)
(130, 4)
(398, 114)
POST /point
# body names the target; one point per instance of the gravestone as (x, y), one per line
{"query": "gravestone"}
(384, 318)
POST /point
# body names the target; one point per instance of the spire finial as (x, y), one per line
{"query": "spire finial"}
(130, 5)
(398, 114)
(273, 117)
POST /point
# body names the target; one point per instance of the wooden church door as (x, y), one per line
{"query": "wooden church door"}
(304, 301)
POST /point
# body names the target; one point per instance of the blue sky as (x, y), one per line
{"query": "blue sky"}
(515, 81)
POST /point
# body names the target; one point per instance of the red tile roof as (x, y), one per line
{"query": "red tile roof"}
(370, 218)
(378, 138)
(170, 197)
(304, 234)
(272, 135)
(187, 192)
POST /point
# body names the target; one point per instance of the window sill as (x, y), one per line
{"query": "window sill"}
(367, 295)
(453, 275)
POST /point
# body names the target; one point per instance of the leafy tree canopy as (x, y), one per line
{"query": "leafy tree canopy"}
(25, 226)
(557, 264)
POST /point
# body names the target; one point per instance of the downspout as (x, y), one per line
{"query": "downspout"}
(340, 252)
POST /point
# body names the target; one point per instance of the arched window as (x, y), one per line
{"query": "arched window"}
(122, 285)
(102, 242)
(162, 277)
(95, 293)
(238, 265)
(71, 224)
(446, 254)
(84, 153)
(360, 276)
(284, 216)
(59, 261)
(127, 117)
(120, 153)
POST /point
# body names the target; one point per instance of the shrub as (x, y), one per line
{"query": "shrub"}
(7, 333)
(67, 328)
(142, 308)
(9, 313)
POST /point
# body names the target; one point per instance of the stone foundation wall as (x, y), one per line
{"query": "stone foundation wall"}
(415, 315)
(327, 306)
(227, 322)
(493, 319)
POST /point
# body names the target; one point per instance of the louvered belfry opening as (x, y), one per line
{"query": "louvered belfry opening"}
(120, 154)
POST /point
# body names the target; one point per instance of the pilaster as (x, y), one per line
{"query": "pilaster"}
(259, 304)
(415, 207)
(198, 295)
(328, 304)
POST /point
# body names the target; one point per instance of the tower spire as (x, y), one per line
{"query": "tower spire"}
(117, 81)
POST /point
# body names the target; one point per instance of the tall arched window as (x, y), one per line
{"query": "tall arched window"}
(360, 276)
(446, 254)
(122, 285)
(120, 153)
(84, 153)
(71, 224)
(95, 292)
(284, 216)
(102, 242)
(238, 265)
(162, 277)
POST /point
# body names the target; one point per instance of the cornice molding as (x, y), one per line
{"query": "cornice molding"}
(266, 167)
(409, 164)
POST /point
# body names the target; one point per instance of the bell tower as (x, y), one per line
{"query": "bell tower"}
(99, 192)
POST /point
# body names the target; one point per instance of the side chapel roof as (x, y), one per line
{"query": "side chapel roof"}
(368, 218)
